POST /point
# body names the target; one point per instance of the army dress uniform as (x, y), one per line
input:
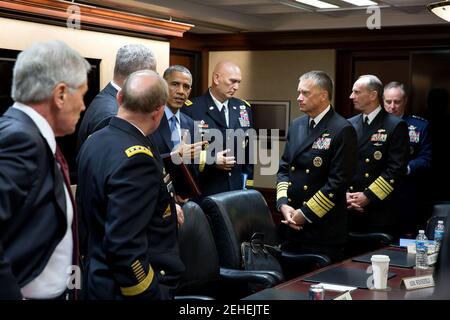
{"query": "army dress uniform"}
(206, 115)
(382, 159)
(412, 200)
(315, 171)
(132, 248)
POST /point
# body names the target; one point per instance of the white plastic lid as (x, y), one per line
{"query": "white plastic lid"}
(380, 258)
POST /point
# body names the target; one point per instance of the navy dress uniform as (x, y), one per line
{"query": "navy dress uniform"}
(315, 171)
(412, 200)
(132, 223)
(383, 149)
(204, 112)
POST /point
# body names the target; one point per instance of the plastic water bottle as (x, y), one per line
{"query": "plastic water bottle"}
(421, 250)
(439, 234)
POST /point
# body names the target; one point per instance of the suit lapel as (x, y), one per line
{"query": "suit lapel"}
(233, 114)
(165, 133)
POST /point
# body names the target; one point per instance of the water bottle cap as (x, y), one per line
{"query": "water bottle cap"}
(421, 231)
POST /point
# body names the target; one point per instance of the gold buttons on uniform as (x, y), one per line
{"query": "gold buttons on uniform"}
(307, 171)
(289, 183)
(305, 187)
(229, 173)
(366, 175)
(392, 181)
(351, 188)
(304, 203)
(367, 160)
(162, 272)
(289, 200)
(292, 168)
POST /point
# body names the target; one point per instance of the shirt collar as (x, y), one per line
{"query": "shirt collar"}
(115, 85)
(218, 103)
(321, 115)
(373, 114)
(170, 114)
(41, 123)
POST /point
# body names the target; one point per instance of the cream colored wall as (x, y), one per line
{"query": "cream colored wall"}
(273, 75)
(18, 35)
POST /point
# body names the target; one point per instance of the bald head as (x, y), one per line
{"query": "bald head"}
(226, 78)
(144, 91)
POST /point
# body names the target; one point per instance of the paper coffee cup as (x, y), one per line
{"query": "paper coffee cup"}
(380, 268)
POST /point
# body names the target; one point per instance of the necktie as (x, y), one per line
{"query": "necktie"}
(365, 123)
(175, 135)
(224, 114)
(312, 124)
(65, 172)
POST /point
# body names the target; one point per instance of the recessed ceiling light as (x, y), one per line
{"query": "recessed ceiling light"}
(318, 4)
(361, 3)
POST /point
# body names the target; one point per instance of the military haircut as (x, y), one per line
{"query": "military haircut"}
(373, 83)
(144, 91)
(321, 79)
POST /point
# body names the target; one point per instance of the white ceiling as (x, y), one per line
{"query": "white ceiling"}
(222, 16)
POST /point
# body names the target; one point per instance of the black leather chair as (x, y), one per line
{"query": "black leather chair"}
(236, 215)
(203, 278)
(360, 242)
(441, 210)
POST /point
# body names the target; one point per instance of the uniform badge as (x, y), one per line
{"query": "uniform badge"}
(243, 118)
(377, 155)
(317, 162)
(211, 108)
(167, 213)
(322, 143)
(234, 108)
(242, 107)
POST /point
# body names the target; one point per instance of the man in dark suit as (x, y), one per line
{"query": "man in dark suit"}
(316, 168)
(383, 148)
(412, 197)
(132, 248)
(37, 244)
(226, 164)
(129, 58)
(175, 134)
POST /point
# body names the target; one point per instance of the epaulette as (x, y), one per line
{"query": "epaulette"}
(131, 151)
(420, 118)
(247, 103)
(188, 103)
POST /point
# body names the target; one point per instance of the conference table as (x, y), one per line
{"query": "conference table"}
(297, 288)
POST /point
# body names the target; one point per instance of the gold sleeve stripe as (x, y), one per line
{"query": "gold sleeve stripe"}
(319, 204)
(202, 160)
(131, 151)
(282, 188)
(325, 200)
(249, 183)
(381, 188)
(141, 286)
(140, 273)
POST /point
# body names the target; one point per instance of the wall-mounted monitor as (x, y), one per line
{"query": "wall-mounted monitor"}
(273, 114)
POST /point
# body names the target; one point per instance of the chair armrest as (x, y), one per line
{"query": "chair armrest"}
(193, 297)
(319, 260)
(372, 237)
(266, 279)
